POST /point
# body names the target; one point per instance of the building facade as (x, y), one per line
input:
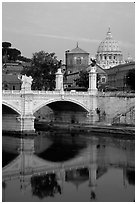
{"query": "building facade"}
(70, 81)
(10, 73)
(10, 82)
(117, 76)
(76, 60)
(14, 68)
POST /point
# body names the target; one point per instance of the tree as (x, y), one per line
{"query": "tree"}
(13, 54)
(5, 47)
(130, 79)
(9, 53)
(43, 68)
(83, 80)
(24, 59)
(6, 44)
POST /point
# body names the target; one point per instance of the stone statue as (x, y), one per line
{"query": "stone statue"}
(92, 65)
(93, 62)
(26, 82)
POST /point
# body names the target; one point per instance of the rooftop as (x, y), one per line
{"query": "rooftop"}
(78, 50)
(109, 44)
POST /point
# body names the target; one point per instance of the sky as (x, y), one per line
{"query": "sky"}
(58, 26)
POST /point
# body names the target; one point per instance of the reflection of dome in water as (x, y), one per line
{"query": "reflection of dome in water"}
(109, 53)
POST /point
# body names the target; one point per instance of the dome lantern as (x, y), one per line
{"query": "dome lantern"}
(109, 35)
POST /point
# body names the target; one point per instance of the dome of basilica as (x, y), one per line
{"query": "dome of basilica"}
(109, 53)
(109, 44)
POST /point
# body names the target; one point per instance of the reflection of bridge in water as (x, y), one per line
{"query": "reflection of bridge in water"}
(27, 164)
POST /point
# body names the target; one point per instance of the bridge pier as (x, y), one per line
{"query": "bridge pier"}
(92, 81)
(27, 123)
(59, 81)
(93, 105)
(27, 117)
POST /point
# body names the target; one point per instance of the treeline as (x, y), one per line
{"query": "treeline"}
(10, 54)
(42, 68)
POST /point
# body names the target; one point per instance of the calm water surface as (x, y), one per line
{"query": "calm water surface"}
(64, 167)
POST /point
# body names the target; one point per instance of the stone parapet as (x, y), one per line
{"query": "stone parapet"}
(116, 94)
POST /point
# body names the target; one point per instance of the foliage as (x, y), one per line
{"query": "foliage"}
(24, 59)
(130, 79)
(6, 44)
(43, 68)
(8, 53)
(45, 186)
(5, 47)
(83, 80)
(13, 54)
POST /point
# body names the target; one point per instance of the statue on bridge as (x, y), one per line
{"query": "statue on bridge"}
(93, 62)
(92, 77)
(26, 82)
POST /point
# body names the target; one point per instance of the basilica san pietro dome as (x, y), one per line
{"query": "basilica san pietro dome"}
(109, 53)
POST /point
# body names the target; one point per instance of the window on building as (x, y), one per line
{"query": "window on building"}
(78, 60)
(13, 87)
(5, 86)
(103, 79)
(69, 61)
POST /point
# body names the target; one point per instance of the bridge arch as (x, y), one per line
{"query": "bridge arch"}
(45, 103)
(11, 106)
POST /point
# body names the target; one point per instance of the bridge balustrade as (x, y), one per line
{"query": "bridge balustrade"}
(11, 91)
(116, 94)
(67, 93)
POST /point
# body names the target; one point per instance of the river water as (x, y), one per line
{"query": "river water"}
(68, 167)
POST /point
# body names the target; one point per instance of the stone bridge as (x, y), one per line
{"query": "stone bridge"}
(26, 102)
